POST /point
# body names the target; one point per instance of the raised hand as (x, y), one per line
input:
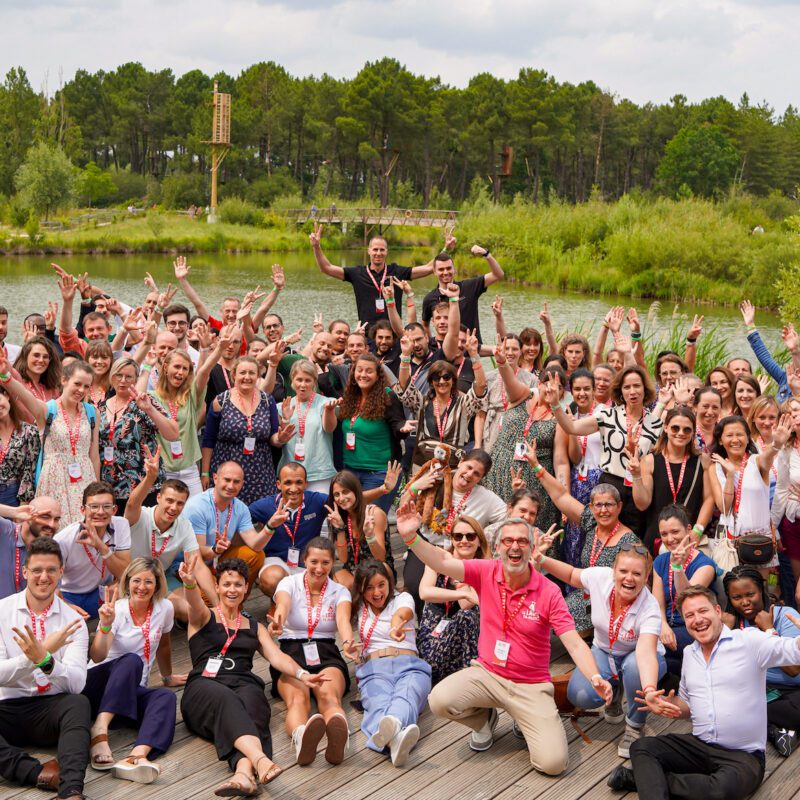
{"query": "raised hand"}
(29, 330)
(615, 317)
(450, 240)
(113, 306)
(286, 409)
(294, 338)
(634, 464)
(544, 316)
(681, 552)
(517, 481)
(633, 320)
(31, 648)
(280, 516)
(285, 433)
(60, 271)
(67, 287)
(473, 344)
(408, 521)
(152, 461)
(388, 291)
(497, 306)
(398, 632)
(278, 277)
(748, 312)
(405, 286)
(622, 343)
(182, 269)
(681, 391)
(84, 285)
(659, 703)
(500, 352)
(793, 378)
(530, 454)
(134, 321)
(369, 522)
(277, 352)
(334, 517)
(763, 382)
(477, 250)
(251, 297)
(149, 282)
(319, 325)
(165, 298)
(728, 467)
(107, 611)
(394, 470)
(88, 535)
(61, 638)
(203, 333)
(665, 394)
(782, 431)
(696, 328)
(315, 237)
(186, 568)
(545, 539)
(51, 315)
(548, 392)
(275, 626)
(405, 346)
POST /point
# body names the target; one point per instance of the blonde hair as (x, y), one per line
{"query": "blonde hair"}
(163, 388)
(139, 565)
(483, 550)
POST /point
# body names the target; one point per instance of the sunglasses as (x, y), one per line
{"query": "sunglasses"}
(637, 548)
(440, 378)
(680, 429)
(464, 537)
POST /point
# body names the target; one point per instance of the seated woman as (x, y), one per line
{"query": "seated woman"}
(394, 681)
(627, 627)
(448, 631)
(310, 609)
(604, 534)
(133, 633)
(749, 605)
(524, 503)
(224, 699)
(682, 565)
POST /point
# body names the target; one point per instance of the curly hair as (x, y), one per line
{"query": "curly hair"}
(576, 338)
(376, 402)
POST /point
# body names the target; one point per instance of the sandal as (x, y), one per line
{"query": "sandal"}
(271, 773)
(237, 788)
(137, 769)
(97, 751)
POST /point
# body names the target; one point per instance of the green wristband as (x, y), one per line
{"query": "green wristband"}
(44, 660)
(104, 628)
(410, 544)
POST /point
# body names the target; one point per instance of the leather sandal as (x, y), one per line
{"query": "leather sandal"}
(101, 766)
(236, 787)
(271, 773)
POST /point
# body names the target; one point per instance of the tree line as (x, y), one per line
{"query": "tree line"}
(390, 136)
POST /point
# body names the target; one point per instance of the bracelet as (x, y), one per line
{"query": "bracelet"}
(751, 326)
(277, 289)
(636, 336)
(348, 641)
(555, 407)
(371, 540)
(300, 672)
(676, 567)
(776, 449)
(698, 528)
(453, 299)
(386, 488)
(690, 341)
(538, 470)
(106, 556)
(605, 324)
(5, 377)
(414, 490)
(410, 544)
(539, 560)
(476, 362)
(771, 631)
(648, 688)
(390, 303)
(147, 367)
(269, 530)
(410, 295)
(44, 660)
(205, 474)
(189, 585)
(409, 304)
(405, 359)
(596, 675)
(165, 679)
(486, 254)
(104, 628)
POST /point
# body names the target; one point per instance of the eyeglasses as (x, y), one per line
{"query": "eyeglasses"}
(637, 548)
(177, 324)
(441, 378)
(604, 506)
(463, 537)
(126, 378)
(100, 507)
(508, 541)
(49, 571)
(680, 429)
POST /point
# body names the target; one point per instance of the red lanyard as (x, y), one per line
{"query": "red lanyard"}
(583, 441)
(226, 376)
(453, 513)
(594, 555)
(420, 367)
(17, 559)
(173, 410)
(447, 603)
(615, 626)
(249, 416)
(531, 420)
(231, 636)
(74, 435)
(352, 419)
(112, 426)
(145, 632)
(102, 568)
(762, 445)
(293, 534)
(509, 618)
(737, 497)
(680, 477)
(301, 420)
(365, 637)
(96, 399)
(671, 583)
(157, 554)
(311, 624)
(223, 534)
(378, 289)
(4, 450)
(355, 547)
(441, 419)
(36, 390)
(40, 618)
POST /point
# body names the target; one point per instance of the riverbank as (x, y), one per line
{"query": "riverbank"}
(691, 250)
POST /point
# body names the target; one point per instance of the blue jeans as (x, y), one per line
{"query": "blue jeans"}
(398, 685)
(88, 601)
(371, 480)
(582, 695)
(8, 494)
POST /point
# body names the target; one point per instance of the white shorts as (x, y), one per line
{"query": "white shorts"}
(274, 561)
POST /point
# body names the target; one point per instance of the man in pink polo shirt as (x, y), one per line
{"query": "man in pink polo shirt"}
(518, 608)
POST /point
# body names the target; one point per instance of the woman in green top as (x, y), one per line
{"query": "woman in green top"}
(181, 392)
(373, 423)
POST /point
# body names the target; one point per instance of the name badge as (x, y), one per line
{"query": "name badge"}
(350, 440)
(501, 650)
(440, 628)
(42, 681)
(74, 472)
(108, 455)
(380, 304)
(176, 448)
(293, 557)
(311, 654)
(249, 445)
(212, 667)
(519, 451)
(583, 471)
(299, 451)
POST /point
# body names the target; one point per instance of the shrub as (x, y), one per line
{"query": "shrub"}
(236, 211)
(265, 191)
(183, 190)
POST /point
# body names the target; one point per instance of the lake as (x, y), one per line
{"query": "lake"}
(27, 282)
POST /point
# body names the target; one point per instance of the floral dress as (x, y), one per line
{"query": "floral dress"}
(499, 477)
(363, 549)
(453, 648)
(18, 467)
(577, 603)
(259, 469)
(133, 430)
(54, 480)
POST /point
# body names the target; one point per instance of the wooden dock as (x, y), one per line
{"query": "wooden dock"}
(369, 217)
(441, 766)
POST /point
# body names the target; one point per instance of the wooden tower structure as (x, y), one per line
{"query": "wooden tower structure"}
(220, 142)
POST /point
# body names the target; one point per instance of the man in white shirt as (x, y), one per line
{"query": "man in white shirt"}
(723, 692)
(162, 532)
(96, 551)
(43, 655)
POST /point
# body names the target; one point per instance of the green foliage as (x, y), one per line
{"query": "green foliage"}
(95, 186)
(17, 213)
(236, 211)
(20, 109)
(46, 179)
(183, 190)
(32, 226)
(702, 160)
(264, 191)
(156, 223)
(130, 187)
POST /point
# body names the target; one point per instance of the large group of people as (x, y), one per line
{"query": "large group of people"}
(160, 465)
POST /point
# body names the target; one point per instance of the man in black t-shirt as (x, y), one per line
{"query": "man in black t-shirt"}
(368, 281)
(471, 288)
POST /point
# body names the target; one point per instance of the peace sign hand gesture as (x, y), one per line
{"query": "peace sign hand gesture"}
(107, 611)
(334, 517)
(316, 235)
(280, 516)
(517, 481)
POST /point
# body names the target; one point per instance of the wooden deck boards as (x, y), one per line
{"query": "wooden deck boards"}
(442, 765)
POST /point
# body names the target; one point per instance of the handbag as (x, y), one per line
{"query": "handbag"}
(756, 547)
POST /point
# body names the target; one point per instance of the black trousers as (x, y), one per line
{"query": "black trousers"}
(62, 719)
(413, 569)
(785, 711)
(678, 765)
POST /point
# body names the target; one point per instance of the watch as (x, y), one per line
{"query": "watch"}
(47, 667)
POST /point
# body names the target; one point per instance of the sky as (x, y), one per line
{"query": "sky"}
(637, 49)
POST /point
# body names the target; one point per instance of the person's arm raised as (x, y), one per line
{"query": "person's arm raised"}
(423, 271)
(495, 270)
(552, 343)
(133, 508)
(331, 270)
(182, 270)
(558, 492)
(19, 394)
(548, 393)
(450, 342)
(408, 524)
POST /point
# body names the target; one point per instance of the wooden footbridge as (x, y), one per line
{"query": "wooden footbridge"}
(369, 217)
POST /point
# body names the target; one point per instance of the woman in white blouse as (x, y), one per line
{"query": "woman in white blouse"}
(133, 633)
(310, 609)
(394, 681)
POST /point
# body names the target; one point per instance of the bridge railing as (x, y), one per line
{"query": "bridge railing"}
(419, 217)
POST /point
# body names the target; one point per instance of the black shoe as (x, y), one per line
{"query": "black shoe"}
(785, 740)
(621, 779)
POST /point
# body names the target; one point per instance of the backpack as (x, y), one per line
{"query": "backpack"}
(52, 410)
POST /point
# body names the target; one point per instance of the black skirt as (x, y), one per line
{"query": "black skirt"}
(329, 656)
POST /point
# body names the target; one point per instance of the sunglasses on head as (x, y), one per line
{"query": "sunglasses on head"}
(637, 548)
(680, 429)
(440, 378)
(458, 536)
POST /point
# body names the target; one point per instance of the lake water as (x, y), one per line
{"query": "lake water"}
(27, 282)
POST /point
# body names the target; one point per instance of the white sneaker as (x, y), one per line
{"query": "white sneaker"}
(388, 728)
(307, 737)
(628, 738)
(402, 744)
(484, 738)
